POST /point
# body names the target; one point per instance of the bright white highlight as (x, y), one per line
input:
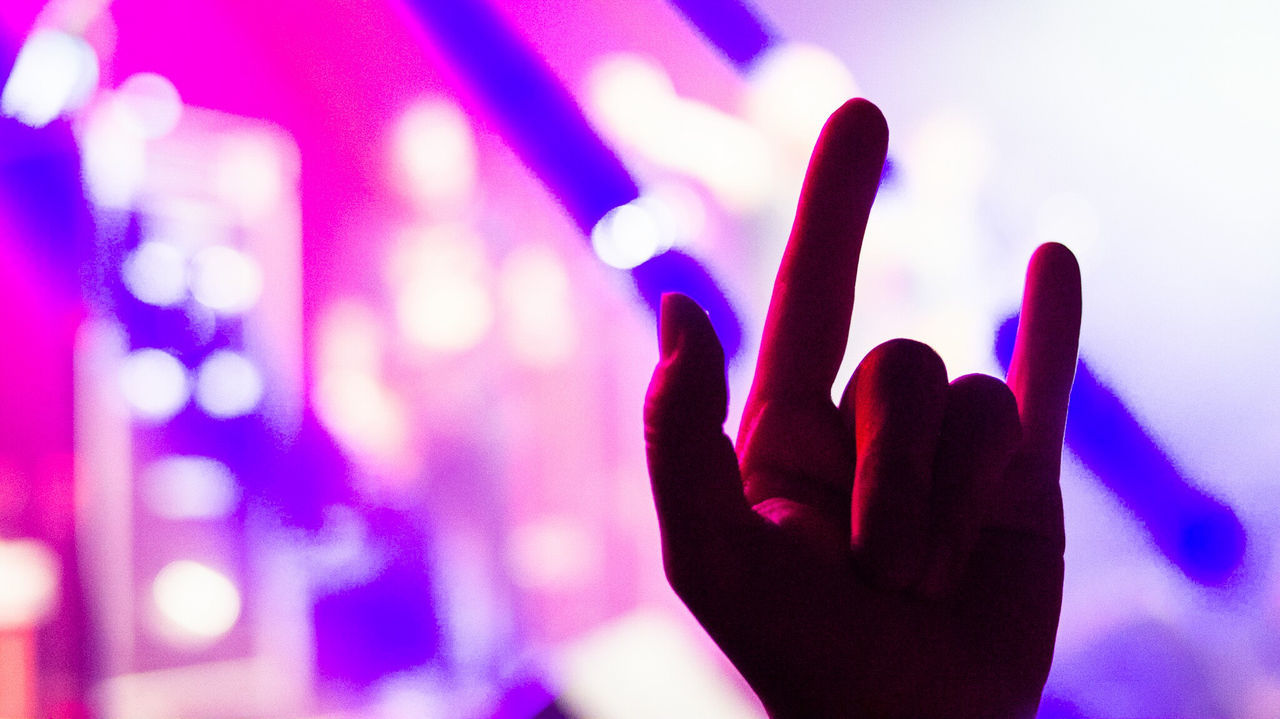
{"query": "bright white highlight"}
(631, 234)
(225, 280)
(794, 88)
(114, 154)
(54, 72)
(29, 586)
(196, 604)
(350, 398)
(189, 487)
(361, 412)
(156, 273)
(152, 101)
(435, 155)
(442, 298)
(632, 95)
(643, 665)
(154, 383)
(633, 100)
(536, 302)
(228, 385)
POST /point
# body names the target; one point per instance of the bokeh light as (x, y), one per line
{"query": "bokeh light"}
(225, 279)
(442, 301)
(54, 72)
(156, 273)
(152, 102)
(154, 383)
(631, 234)
(29, 592)
(360, 356)
(250, 176)
(792, 89)
(541, 327)
(195, 603)
(189, 487)
(228, 384)
(434, 154)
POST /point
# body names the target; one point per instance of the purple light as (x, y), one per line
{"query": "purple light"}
(546, 127)
(731, 25)
(1198, 533)
(675, 271)
(537, 115)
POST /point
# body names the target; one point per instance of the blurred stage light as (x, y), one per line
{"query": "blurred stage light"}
(545, 126)
(1198, 533)
(228, 385)
(152, 102)
(442, 301)
(343, 554)
(196, 604)
(156, 273)
(29, 577)
(634, 100)
(630, 95)
(349, 337)
(675, 271)
(730, 25)
(406, 697)
(248, 176)
(53, 73)
(554, 553)
(361, 413)
(679, 205)
(629, 235)
(435, 155)
(793, 88)
(154, 383)
(540, 323)
(449, 314)
(646, 664)
(538, 117)
(225, 280)
(183, 487)
(113, 150)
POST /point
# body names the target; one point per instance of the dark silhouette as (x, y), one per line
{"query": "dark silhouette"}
(898, 555)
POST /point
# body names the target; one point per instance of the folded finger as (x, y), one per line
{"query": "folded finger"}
(899, 397)
(979, 432)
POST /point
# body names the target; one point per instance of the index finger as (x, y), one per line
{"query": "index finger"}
(807, 326)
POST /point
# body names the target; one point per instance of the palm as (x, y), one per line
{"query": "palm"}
(897, 555)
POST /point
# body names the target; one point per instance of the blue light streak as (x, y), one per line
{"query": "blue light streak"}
(546, 128)
(675, 271)
(1200, 534)
(733, 27)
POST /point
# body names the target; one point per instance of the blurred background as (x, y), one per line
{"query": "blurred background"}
(330, 323)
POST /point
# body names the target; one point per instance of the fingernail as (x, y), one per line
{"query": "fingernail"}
(669, 327)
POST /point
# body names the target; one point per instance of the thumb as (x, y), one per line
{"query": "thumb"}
(692, 467)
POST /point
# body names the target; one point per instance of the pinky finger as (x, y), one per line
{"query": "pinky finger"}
(1040, 375)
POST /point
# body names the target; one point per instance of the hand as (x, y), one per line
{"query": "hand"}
(898, 555)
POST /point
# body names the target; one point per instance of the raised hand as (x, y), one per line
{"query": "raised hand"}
(897, 555)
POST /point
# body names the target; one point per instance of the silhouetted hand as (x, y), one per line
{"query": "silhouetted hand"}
(899, 555)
